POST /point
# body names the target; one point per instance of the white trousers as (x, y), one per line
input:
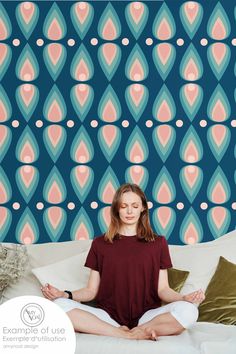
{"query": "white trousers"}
(184, 312)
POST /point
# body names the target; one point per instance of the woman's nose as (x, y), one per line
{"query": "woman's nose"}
(129, 210)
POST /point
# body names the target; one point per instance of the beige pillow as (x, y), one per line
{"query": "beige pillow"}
(69, 273)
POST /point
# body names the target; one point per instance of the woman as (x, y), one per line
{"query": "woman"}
(128, 279)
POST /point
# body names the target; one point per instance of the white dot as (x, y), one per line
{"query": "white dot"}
(40, 42)
(149, 41)
(71, 42)
(39, 205)
(16, 42)
(125, 123)
(149, 123)
(27, 5)
(180, 205)
(204, 42)
(203, 206)
(180, 42)
(70, 123)
(125, 41)
(203, 123)
(94, 123)
(16, 206)
(150, 205)
(71, 205)
(233, 123)
(233, 41)
(179, 123)
(15, 123)
(39, 123)
(94, 205)
(233, 206)
(94, 41)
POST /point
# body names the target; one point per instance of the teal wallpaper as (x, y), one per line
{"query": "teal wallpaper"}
(94, 94)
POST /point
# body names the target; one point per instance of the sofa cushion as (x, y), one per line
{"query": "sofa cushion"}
(219, 305)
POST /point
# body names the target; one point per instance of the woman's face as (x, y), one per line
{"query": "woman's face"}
(130, 208)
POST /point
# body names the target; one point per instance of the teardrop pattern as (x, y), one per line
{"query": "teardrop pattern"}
(5, 24)
(218, 190)
(109, 138)
(191, 96)
(54, 138)
(191, 68)
(27, 67)
(104, 218)
(136, 150)
(54, 219)
(5, 57)
(27, 97)
(82, 178)
(137, 174)
(218, 55)
(82, 227)
(5, 106)
(27, 150)
(191, 178)
(54, 109)
(5, 187)
(27, 231)
(191, 14)
(191, 231)
(82, 96)
(27, 178)
(136, 96)
(27, 15)
(109, 56)
(82, 68)
(191, 150)
(54, 55)
(5, 222)
(108, 186)
(164, 109)
(54, 27)
(82, 14)
(109, 27)
(218, 26)
(163, 27)
(163, 138)
(164, 55)
(82, 150)
(5, 140)
(136, 68)
(109, 108)
(164, 219)
(54, 190)
(218, 108)
(218, 219)
(218, 137)
(163, 190)
(136, 14)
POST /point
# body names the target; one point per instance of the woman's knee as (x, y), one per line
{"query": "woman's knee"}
(186, 312)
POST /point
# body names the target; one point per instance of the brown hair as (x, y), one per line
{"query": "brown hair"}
(144, 230)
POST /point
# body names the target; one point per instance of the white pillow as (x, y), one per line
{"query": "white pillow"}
(69, 273)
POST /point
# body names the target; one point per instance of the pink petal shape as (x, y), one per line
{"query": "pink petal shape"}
(3, 112)
(109, 133)
(108, 193)
(54, 216)
(218, 194)
(27, 235)
(3, 216)
(54, 194)
(136, 153)
(191, 173)
(109, 30)
(191, 71)
(164, 52)
(54, 52)
(218, 133)
(27, 153)
(82, 71)
(27, 175)
(54, 112)
(3, 52)
(82, 93)
(136, 93)
(164, 215)
(109, 51)
(191, 235)
(82, 175)
(82, 233)
(27, 92)
(27, 11)
(218, 215)
(81, 10)
(27, 71)
(164, 30)
(136, 71)
(164, 194)
(191, 153)
(136, 174)
(54, 30)
(191, 10)
(218, 112)
(218, 30)
(191, 92)
(109, 113)
(3, 30)
(3, 194)
(54, 134)
(218, 51)
(164, 112)
(163, 133)
(3, 135)
(136, 11)
(82, 153)
(106, 215)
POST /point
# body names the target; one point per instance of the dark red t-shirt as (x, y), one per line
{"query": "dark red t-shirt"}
(129, 272)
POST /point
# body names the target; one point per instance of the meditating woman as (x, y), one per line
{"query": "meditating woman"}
(128, 279)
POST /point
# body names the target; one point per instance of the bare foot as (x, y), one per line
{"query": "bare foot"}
(139, 333)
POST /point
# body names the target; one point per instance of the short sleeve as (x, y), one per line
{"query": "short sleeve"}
(92, 258)
(165, 260)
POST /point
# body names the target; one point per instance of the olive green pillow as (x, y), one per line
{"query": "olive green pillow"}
(219, 305)
(177, 278)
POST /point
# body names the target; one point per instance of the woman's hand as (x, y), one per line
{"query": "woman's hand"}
(195, 297)
(51, 293)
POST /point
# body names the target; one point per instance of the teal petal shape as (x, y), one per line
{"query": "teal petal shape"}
(109, 108)
(27, 97)
(27, 67)
(218, 26)
(5, 106)
(138, 175)
(82, 150)
(136, 150)
(6, 138)
(6, 27)
(54, 27)
(109, 26)
(218, 219)
(82, 178)
(136, 96)
(27, 150)
(6, 56)
(163, 190)
(191, 68)
(191, 96)
(164, 219)
(109, 138)
(54, 55)
(109, 56)
(163, 27)
(191, 14)
(6, 219)
(191, 178)
(5, 187)
(191, 229)
(54, 219)
(163, 138)
(164, 109)
(54, 190)
(218, 55)
(82, 14)
(108, 186)
(54, 108)
(27, 15)
(54, 138)
(82, 227)
(27, 178)
(218, 190)
(136, 67)
(82, 68)
(82, 96)
(218, 137)
(218, 108)
(191, 150)
(104, 218)
(27, 231)
(136, 15)
(163, 56)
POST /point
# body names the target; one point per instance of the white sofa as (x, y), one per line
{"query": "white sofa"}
(54, 262)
